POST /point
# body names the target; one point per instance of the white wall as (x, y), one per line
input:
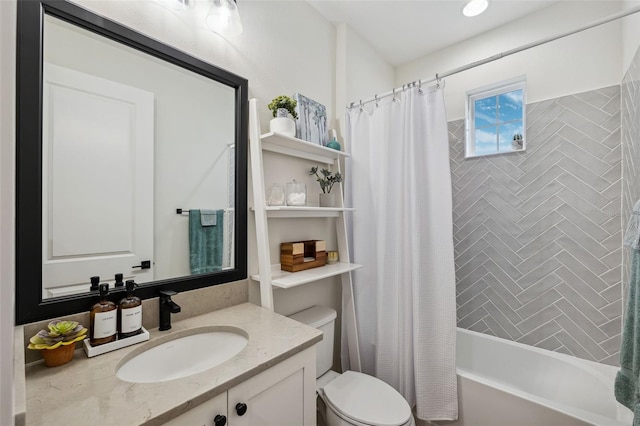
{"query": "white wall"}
(630, 35)
(7, 201)
(578, 63)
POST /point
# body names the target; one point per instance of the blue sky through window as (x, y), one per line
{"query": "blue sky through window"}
(497, 119)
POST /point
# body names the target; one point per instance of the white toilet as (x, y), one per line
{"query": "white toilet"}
(351, 398)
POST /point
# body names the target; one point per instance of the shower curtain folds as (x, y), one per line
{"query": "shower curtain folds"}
(399, 181)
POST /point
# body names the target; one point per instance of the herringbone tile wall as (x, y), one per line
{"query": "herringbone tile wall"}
(538, 234)
(630, 130)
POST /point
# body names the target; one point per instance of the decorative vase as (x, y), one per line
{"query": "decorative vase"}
(327, 200)
(58, 356)
(283, 124)
(296, 194)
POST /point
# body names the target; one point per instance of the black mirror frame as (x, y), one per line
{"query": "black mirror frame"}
(30, 306)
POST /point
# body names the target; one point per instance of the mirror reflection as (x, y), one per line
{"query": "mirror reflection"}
(138, 165)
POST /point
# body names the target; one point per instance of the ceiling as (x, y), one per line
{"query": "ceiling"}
(404, 30)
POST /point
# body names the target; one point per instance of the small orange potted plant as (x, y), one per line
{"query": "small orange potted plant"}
(58, 342)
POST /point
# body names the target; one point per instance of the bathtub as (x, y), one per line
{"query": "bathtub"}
(503, 383)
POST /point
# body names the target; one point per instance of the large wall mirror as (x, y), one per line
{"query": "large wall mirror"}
(131, 159)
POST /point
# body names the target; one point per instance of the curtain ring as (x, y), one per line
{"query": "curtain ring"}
(376, 98)
(394, 95)
(361, 107)
(437, 81)
(420, 87)
(351, 105)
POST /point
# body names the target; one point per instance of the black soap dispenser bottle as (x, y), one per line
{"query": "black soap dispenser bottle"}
(130, 313)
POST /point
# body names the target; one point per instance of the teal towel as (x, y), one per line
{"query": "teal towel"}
(205, 243)
(628, 378)
(208, 217)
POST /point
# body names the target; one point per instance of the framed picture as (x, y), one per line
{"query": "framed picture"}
(311, 124)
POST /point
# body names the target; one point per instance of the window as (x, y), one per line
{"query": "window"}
(495, 119)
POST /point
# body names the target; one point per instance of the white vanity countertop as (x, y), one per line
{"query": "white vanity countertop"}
(86, 391)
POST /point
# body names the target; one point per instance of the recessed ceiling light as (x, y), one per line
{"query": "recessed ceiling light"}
(475, 7)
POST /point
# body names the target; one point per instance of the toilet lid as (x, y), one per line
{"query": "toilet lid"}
(367, 399)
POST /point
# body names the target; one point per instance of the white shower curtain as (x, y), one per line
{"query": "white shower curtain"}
(399, 181)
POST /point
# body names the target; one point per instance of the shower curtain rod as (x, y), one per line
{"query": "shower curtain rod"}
(501, 55)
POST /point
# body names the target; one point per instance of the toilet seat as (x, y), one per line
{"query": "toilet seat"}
(364, 399)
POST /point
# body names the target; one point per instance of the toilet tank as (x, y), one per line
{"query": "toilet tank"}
(324, 319)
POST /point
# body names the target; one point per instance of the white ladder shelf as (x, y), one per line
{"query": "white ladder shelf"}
(270, 275)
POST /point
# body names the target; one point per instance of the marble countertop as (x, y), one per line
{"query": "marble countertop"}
(87, 391)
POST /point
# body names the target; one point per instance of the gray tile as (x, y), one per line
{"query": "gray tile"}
(539, 212)
(541, 334)
(613, 259)
(472, 318)
(581, 337)
(511, 183)
(585, 290)
(582, 189)
(595, 214)
(550, 343)
(468, 281)
(536, 259)
(585, 157)
(614, 174)
(576, 124)
(577, 268)
(613, 293)
(612, 345)
(471, 252)
(539, 182)
(471, 266)
(502, 306)
(580, 310)
(506, 210)
(502, 248)
(480, 327)
(587, 259)
(584, 174)
(573, 346)
(540, 317)
(499, 274)
(496, 329)
(581, 223)
(612, 328)
(547, 283)
(613, 241)
(546, 237)
(612, 310)
(474, 290)
(474, 303)
(502, 320)
(502, 262)
(579, 106)
(545, 299)
(613, 276)
(534, 230)
(505, 292)
(504, 236)
(583, 238)
(613, 359)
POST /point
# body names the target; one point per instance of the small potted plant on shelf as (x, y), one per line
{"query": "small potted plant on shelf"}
(58, 342)
(326, 179)
(517, 141)
(282, 107)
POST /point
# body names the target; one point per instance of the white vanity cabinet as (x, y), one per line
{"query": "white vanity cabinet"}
(283, 395)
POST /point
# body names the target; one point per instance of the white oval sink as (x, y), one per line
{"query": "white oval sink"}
(183, 356)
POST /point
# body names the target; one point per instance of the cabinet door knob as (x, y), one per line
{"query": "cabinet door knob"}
(241, 408)
(219, 420)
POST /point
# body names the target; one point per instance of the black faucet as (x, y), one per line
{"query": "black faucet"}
(167, 307)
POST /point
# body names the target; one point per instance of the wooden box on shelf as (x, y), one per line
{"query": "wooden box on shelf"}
(301, 255)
